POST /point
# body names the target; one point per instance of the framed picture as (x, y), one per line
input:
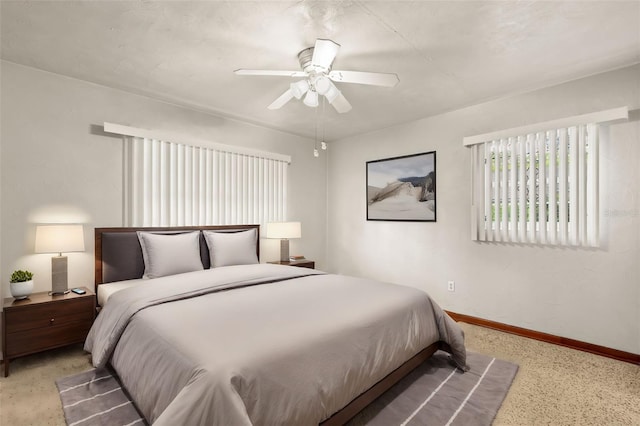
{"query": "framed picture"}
(402, 188)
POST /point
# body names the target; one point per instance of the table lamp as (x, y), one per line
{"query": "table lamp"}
(62, 238)
(284, 231)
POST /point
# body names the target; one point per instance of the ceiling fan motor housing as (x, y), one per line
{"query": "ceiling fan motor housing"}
(305, 58)
(318, 80)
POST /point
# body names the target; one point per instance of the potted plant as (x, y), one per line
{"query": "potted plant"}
(21, 284)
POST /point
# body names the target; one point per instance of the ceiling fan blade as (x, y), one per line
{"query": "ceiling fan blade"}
(341, 104)
(324, 52)
(271, 72)
(282, 99)
(361, 77)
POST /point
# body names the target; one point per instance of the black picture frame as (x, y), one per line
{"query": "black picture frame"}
(402, 189)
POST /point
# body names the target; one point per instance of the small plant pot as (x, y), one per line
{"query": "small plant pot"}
(21, 290)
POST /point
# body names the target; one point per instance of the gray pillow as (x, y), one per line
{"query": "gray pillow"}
(170, 254)
(232, 248)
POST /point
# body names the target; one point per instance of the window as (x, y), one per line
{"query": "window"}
(199, 182)
(539, 184)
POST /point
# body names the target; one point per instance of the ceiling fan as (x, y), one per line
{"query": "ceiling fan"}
(318, 78)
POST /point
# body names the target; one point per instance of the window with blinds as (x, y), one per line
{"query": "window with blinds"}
(172, 184)
(538, 187)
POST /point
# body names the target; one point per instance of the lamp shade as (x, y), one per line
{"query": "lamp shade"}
(59, 238)
(284, 230)
(299, 88)
(311, 99)
(323, 84)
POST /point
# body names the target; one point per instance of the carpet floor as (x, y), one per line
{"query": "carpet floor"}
(554, 385)
(436, 393)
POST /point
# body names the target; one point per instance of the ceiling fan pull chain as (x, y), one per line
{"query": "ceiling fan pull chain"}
(323, 144)
(316, 153)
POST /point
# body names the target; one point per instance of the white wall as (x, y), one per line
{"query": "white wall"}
(588, 295)
(57, 165)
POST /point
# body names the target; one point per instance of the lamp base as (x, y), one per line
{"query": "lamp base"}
(59, 275)
(284, 250)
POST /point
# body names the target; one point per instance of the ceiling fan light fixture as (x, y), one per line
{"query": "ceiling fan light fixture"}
(299, 88)
(311, 99)
(323, 85)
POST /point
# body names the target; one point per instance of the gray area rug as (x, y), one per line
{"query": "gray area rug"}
(436, 393)
(96, 397)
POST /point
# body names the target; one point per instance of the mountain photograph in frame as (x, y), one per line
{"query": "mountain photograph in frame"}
(402, 188)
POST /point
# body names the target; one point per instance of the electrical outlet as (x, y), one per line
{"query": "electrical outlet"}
(451, 285)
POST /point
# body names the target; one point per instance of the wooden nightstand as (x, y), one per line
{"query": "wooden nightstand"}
(300, 263)
(44, 322)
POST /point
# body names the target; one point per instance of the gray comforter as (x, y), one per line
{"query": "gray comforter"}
(261, 344)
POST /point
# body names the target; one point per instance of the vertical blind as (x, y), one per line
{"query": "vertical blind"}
(539, 188)
(172, 184)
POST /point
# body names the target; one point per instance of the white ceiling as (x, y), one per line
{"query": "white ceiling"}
(447, 54)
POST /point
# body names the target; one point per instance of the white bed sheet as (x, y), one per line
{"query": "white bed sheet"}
(105, 291)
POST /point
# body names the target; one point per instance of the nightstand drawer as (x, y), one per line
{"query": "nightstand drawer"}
(49, 315)
(38, 339)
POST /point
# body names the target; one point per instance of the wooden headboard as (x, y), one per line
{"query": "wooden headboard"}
(118, 255)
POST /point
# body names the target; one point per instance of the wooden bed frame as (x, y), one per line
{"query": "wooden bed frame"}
(105, 261)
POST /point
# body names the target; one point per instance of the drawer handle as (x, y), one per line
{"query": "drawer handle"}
(51, 321)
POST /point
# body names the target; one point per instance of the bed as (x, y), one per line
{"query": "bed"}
(237, 342)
